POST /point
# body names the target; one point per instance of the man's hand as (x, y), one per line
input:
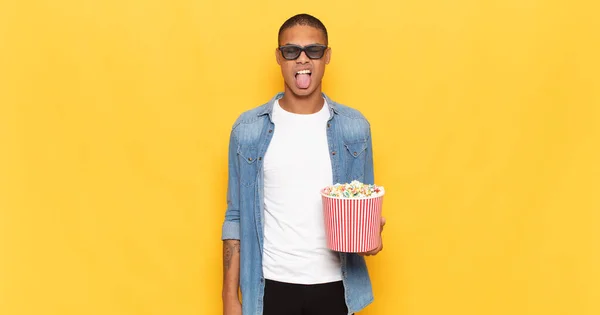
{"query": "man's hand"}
(379, 248)
(232, 307)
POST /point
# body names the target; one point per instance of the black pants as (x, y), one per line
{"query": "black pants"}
(300, 299)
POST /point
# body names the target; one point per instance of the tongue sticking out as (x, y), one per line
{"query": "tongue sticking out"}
(303, 81)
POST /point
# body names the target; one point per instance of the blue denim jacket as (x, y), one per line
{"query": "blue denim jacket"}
(349, 139)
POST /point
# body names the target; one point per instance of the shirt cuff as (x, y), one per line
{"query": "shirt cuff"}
(231, 231)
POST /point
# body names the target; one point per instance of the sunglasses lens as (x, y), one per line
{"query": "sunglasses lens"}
(315, 52)
(290, 52)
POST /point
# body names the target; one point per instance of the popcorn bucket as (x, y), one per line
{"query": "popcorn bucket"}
(352, 225)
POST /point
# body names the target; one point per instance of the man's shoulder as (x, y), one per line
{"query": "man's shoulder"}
(250, 116)
(352, 123)
(347, 111)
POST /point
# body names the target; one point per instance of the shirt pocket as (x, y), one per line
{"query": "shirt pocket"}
(248, 157)
(356, 148)
(354, 159)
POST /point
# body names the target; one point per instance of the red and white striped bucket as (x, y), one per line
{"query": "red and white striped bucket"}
(352, 225)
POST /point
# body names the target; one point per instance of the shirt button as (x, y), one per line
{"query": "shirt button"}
(355, 154)
(260, 158)
(270, 130)
(250, 159)
(328, 125)
(333, 153)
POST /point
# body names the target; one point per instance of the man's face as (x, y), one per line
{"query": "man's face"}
(303, 75)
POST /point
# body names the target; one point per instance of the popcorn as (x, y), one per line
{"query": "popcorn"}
(352, 214)
(355, 189)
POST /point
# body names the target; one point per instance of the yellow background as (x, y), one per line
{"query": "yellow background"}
(115, 116)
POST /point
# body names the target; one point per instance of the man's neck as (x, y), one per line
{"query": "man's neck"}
(305, 105)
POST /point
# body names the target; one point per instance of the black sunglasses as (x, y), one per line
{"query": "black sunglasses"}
(292, 52)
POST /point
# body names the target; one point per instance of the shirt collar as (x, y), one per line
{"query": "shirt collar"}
(268, 108)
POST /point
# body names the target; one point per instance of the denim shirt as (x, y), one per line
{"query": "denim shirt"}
(349, 140)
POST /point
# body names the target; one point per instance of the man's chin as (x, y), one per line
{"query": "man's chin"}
(304, 92)
(299, 92)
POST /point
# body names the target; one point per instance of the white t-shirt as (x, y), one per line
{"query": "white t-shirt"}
(296, 166)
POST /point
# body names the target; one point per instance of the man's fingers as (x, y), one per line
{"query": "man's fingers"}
(372, 252)
(369, 253)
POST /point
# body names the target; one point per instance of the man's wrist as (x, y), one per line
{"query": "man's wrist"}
(230, 296)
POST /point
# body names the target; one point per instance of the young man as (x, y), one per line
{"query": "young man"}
(280, 155)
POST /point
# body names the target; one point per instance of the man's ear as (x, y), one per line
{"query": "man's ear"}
(278, 56)
(328, 55)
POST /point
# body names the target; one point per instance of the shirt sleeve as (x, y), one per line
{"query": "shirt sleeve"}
(231, 226)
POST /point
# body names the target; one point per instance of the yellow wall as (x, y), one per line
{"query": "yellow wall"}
(115, 116)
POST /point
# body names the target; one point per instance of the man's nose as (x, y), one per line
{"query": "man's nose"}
(303, 58)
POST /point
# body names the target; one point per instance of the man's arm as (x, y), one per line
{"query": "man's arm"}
(369, 171)
(231, 237)
(231, 277)
(370, 179)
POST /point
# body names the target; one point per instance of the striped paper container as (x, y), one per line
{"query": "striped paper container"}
(352, 225)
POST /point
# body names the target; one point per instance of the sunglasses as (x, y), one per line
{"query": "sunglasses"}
(292, 52)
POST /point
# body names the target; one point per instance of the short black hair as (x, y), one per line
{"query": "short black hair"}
(303, 19)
